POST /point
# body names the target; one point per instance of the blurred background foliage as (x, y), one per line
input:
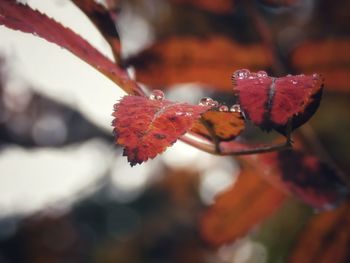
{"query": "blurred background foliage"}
(67, 195)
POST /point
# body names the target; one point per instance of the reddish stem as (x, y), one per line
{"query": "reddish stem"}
(231, 148)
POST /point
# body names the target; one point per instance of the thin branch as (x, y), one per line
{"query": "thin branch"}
(233, 147)
(253, 149)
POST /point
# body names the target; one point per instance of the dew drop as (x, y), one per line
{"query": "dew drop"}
(261, 73)
(241, 74)
(157, 95)
(235, 108)
(294, 82)
(223, 108)
(315, 76)
(206, 101)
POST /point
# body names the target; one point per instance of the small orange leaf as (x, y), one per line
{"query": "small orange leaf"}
(225, 125)
(239, 209)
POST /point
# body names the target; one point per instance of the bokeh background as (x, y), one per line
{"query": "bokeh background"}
(66, 192)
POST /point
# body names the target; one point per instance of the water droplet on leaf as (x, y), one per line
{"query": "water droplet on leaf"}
(157, 95)
(241, 74)
(223, 108)
(235, 108)
(261, 73)
(206, 101)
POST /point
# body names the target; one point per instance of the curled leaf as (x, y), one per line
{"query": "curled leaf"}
(146, 127)
(272, 102)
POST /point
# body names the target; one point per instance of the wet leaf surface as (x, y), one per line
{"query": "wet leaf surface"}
(146, 127)
(271, 102)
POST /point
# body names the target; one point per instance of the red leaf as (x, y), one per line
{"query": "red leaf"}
(208, 61)
(146, 127)
(271, 102)
(238, 210)
(225, 125)
(21, 17)
(325, 239)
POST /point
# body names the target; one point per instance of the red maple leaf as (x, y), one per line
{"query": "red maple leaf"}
(146, 127)
(272, 102)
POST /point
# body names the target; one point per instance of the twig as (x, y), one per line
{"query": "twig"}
(233, 147)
